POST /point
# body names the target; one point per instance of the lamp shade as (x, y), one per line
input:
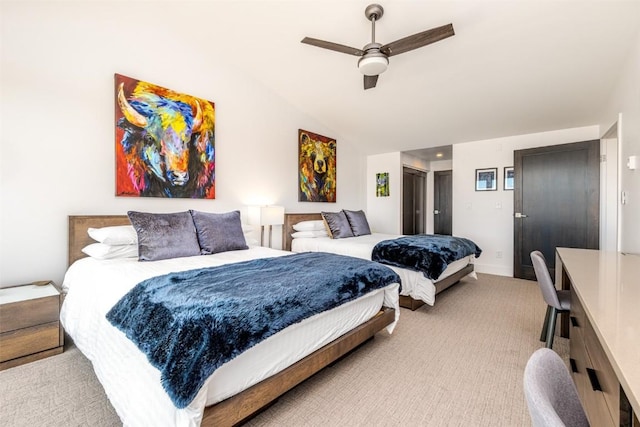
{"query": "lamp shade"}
(373, 65)
(266, 215)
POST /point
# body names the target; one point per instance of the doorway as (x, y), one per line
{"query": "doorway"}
(442, 205)
(556, 202)
(413, 200)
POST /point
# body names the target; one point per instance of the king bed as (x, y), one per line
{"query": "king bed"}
(138, 388)
(416, 290)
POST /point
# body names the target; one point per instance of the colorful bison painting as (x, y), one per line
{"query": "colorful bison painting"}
(165, 142)
(316, 167)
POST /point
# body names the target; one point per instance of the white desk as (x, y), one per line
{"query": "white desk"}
(608, 287)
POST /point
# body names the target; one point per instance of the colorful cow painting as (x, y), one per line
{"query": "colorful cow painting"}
(165, 142)
(316, 167)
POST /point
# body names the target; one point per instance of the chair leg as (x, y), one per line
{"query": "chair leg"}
(545, 325)
(552, 327)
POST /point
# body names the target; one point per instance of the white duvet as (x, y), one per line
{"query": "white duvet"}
(414, 283)
(133, 385)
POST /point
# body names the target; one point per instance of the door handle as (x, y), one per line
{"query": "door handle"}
(436, 212)
(520, 215)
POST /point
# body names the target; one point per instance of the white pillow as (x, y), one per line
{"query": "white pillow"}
(312, 233)
(250, 232)
(104, 251)
(252, 241)
(309, 226)
(115, 235)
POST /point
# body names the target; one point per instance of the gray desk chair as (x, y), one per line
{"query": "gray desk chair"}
(558, 301)
(551, 396)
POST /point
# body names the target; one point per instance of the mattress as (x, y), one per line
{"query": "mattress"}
(133, 385)
(414, 283)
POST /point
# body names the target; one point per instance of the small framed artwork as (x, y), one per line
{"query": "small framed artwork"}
(486, 179)
(382, 184)
(508, 177)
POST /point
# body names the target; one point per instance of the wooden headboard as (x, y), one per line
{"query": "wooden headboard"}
(293, 218)
(78, 226)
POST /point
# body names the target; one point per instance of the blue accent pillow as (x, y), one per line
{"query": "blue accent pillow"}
(219, 232)
(164, 236)
(358, 222)
(337, 224)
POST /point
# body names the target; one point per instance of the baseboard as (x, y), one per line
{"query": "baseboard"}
(498, 270)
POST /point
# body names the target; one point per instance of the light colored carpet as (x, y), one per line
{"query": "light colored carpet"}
(458, 363)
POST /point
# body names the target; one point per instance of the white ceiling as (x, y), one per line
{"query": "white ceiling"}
(513, 67)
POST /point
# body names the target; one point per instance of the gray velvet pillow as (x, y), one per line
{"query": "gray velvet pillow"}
(163, 236)
(337, 224)
(358, 222)
(219, 232)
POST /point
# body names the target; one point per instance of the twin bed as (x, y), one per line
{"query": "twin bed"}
(417, 289)
(236, 389)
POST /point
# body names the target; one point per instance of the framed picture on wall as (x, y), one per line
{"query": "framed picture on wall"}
(382, 184)
(164, 142)
(316, 167)
(486, 179)
(508, 177)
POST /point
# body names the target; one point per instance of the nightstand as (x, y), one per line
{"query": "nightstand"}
(29, 324)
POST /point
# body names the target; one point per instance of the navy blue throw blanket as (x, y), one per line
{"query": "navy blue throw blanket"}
(190, 323)
(428, 253)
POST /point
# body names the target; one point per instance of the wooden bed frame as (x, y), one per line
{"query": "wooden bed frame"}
(242, 406)
(405, 301)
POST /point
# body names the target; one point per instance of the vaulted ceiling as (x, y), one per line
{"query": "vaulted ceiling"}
(513, 67)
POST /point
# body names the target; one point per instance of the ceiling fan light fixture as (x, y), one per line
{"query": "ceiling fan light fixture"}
(373, 65)
(374, 57)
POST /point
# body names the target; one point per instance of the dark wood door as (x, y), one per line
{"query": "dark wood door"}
(413, 201)
(442, 212)
(556, 202)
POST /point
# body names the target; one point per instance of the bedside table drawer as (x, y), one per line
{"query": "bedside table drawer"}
(23, 341)
(23, 314)
(30, 326)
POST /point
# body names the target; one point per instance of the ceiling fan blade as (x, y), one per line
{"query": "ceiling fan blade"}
(370, 82)
(418, 40)
(332, 46)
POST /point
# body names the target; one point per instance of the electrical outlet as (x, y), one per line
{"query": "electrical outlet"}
(499, 254)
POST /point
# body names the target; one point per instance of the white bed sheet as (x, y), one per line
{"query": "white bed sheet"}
(414, 283)
(133, 385)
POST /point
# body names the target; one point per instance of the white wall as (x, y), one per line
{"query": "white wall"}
(609, 191)
(625, 103)
(385, 213)
(486, 217)
(57, 138)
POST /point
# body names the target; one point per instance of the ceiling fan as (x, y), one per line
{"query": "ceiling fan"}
(374, 57)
